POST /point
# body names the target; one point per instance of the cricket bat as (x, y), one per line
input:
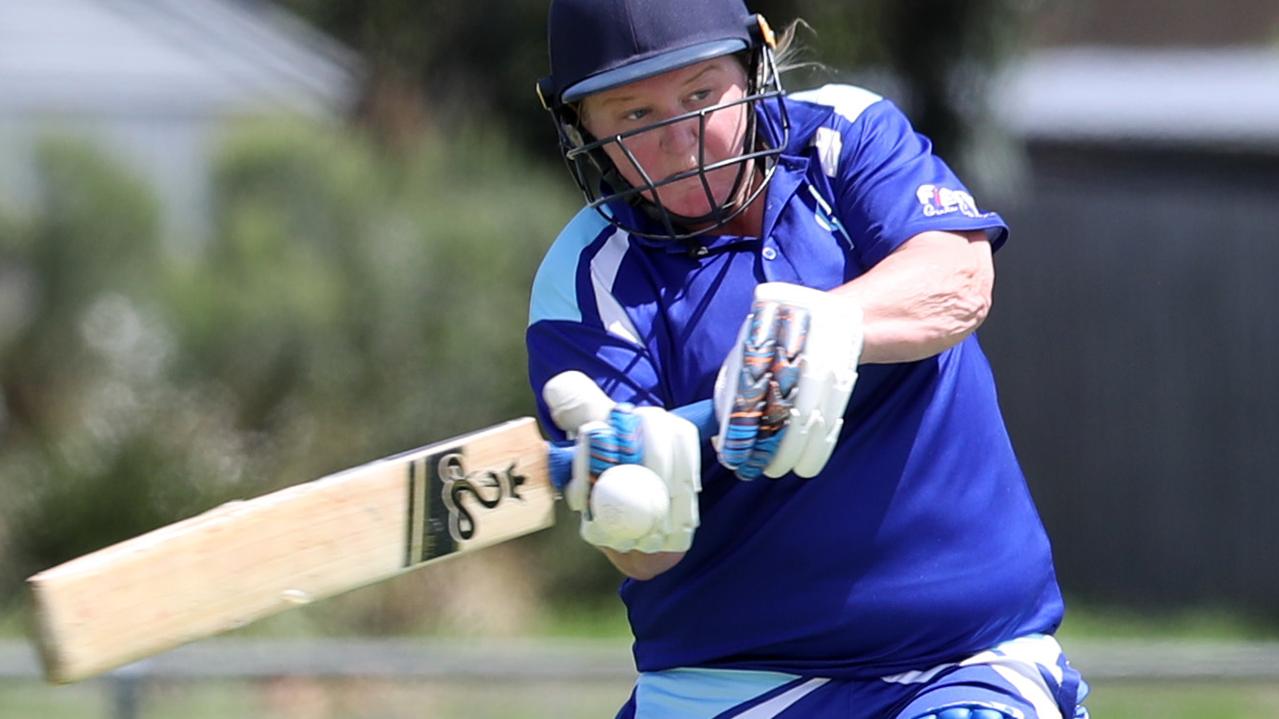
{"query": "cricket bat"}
(246, 560)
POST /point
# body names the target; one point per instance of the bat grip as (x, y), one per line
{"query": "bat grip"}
(701, 414)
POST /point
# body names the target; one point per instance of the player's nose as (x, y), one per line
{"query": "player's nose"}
(678, 138)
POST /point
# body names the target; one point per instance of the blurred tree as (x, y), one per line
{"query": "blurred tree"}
(351, 305)
(449, 63)
(443, 63)
(87, 414)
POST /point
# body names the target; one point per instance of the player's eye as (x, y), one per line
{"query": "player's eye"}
(636, 114)
(700, 96)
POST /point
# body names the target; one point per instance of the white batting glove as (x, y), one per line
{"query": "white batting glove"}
(781, 393)
(656, 452)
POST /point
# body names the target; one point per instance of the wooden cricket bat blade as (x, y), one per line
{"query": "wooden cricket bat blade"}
(250, 559)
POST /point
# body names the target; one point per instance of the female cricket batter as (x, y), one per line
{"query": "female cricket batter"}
(858, 540)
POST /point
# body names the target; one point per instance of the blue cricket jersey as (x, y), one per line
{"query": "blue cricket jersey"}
(919, 541)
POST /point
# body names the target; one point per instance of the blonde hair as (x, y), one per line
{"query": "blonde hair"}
(789, 54)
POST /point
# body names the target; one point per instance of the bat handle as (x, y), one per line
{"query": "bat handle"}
(701, 414)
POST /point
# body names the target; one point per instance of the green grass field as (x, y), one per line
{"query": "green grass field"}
(303, 698)
(1194, 701)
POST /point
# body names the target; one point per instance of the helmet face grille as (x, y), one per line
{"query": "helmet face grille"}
(601, 182)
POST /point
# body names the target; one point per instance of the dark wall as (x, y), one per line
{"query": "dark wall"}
(1136, 346)
(1184, 23)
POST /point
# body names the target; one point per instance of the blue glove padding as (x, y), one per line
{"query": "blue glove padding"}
(771, 341)
(616, 442)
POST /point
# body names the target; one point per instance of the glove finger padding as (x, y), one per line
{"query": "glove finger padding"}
(788, 417)
(785, 373)
(672, 449)
(827, 374)
(574, 399)
(743, 405)
(819, 447)
(753, 419)
(577, 492)
(616, 442)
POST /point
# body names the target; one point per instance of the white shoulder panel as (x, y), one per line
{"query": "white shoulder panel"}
(848, 101)
(604, 269)
(554, 286)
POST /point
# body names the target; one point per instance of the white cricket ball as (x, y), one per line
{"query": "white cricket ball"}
(629, 500)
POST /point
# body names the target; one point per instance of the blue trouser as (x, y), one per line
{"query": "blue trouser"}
(1026, 678)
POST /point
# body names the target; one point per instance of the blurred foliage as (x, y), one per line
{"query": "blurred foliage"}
(446, 64)
(936, 59)
(85, 421)
(351, 304)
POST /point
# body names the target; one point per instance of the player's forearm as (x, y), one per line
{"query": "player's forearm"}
(641, 565)
(926, 297)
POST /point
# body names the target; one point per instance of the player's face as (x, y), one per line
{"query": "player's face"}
(671, 149)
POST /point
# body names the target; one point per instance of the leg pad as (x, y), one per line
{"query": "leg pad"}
(969, 712)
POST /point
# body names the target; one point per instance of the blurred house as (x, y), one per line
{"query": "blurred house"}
(153, 81)
(1139, 23)
(1133, 331)
(1214, 100)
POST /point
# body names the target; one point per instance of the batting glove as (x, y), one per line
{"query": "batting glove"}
(781, 393)
(609, 435)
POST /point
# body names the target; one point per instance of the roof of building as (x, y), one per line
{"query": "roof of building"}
(1212, 96)
(166, 57)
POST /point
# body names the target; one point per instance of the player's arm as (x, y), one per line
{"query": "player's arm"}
(642, 565)
(927, 296)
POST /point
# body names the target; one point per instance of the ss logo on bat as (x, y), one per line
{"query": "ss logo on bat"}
(488, 488)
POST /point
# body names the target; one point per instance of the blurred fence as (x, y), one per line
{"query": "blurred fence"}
(1134, 341)
(483, 666)
(506, 678)
(1133, 332)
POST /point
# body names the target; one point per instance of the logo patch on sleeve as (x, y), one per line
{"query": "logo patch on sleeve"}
(943, 201)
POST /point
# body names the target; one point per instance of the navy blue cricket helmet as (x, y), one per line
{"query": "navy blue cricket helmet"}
(597, 45)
